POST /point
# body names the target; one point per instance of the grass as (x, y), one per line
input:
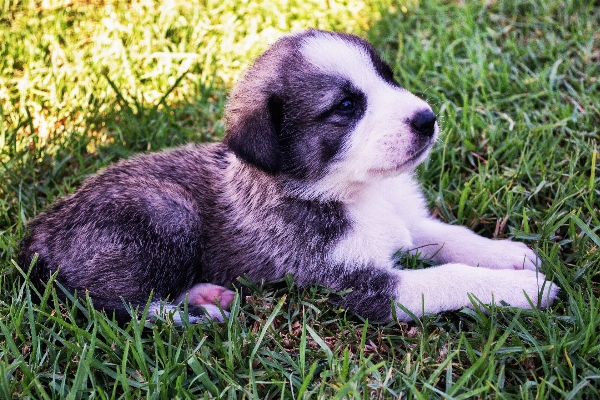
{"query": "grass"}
(517, 87)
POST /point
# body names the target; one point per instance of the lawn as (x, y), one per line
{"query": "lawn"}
(516, 86)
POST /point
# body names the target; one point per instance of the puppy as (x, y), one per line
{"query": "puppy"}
(314, 178)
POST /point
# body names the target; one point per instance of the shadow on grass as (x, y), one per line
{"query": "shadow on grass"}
(34, 177)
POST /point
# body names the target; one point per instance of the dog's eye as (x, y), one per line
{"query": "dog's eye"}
(346, 106)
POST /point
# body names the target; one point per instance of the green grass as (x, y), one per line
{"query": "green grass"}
(517, 87)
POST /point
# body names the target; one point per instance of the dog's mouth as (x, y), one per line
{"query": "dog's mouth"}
(412, 161)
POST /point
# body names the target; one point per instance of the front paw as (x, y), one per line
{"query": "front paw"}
(454, 286)
(504, 254)
(517, 288)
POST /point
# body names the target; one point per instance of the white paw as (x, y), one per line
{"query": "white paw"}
(501, 254)
(449, 286)
(514, 287)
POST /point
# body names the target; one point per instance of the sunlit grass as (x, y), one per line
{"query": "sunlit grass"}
(58, 53)
(516, 86)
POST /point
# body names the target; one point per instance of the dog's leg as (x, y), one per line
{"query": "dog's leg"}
(447, 287)
(433, 290)
(445, 243)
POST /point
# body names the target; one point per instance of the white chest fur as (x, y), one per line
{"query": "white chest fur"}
(381, 216)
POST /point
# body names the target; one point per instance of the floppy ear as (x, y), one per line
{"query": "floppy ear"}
(253, 134)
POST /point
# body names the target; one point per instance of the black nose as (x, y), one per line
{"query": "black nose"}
(423, 122)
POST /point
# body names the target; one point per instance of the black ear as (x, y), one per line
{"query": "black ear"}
(253, 135)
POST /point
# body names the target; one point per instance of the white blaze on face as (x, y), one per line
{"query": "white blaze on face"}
(382, 143)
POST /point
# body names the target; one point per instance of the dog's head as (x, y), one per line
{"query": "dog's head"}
(323, 111)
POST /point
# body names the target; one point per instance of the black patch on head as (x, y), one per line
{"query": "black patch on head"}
(329, 148)
(320, 111)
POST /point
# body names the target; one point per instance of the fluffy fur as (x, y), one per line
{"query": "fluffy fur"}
(314, 178)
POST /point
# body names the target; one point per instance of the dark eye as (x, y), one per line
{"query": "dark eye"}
(346, 106)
